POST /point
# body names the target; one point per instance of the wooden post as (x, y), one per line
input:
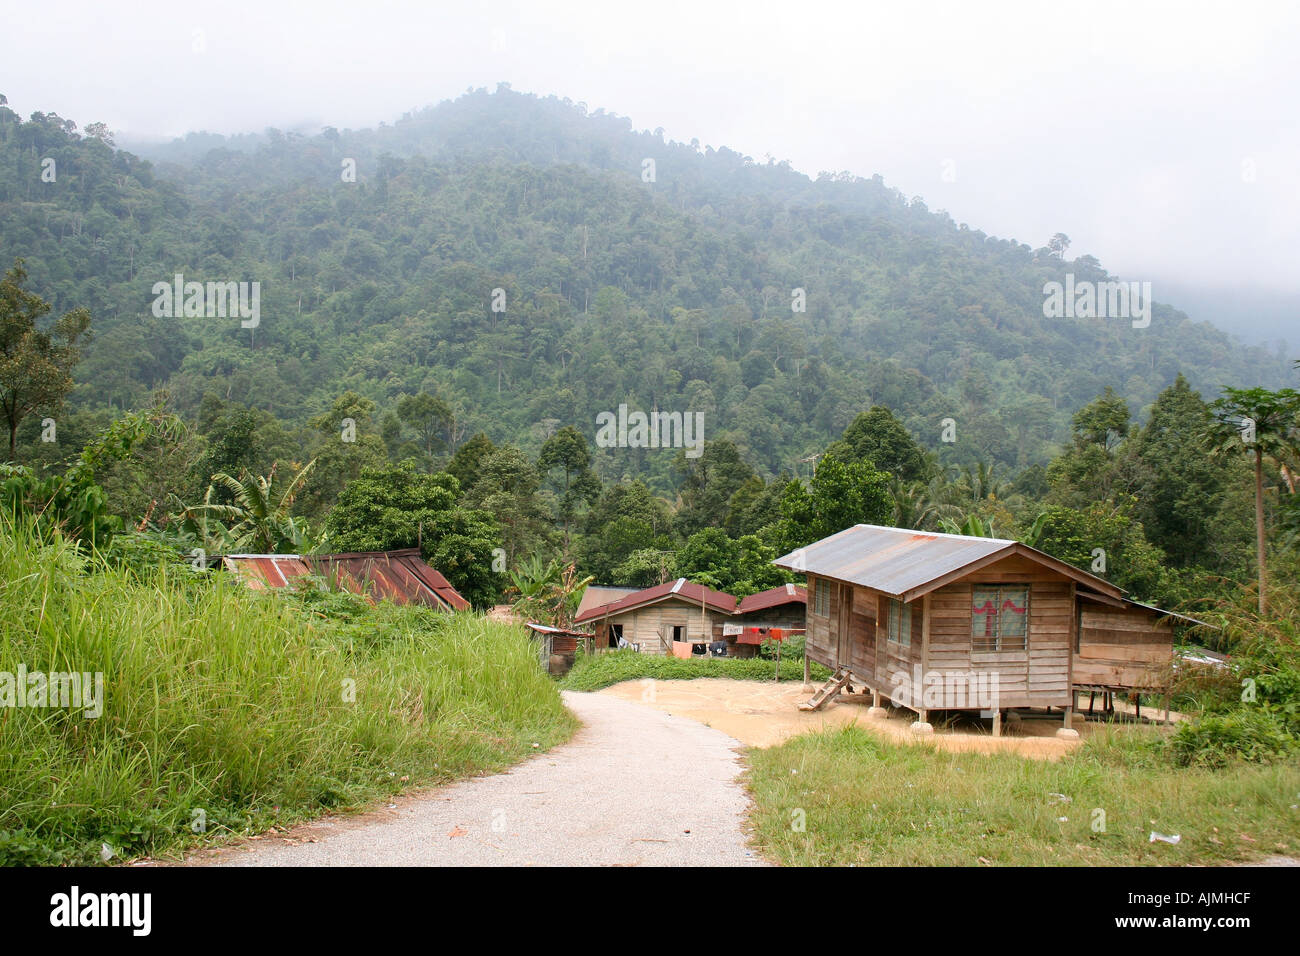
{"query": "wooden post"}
(704, 617)
(807, 675)
(997, 723)
(925, 635)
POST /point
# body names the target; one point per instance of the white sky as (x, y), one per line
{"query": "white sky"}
(1125, 125)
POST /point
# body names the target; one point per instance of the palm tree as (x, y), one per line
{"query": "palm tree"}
(979, 482)
(203, 525)
(259, 520)
(912, 505)
(1266, 424)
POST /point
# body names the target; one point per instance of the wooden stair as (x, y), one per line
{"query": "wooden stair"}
(827, 691)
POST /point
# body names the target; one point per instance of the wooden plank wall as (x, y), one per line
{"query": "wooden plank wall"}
(1036, 677)
(1122, 647)
(862, 634)
(819, 632)
(891, 657)
(644, 625)
(1039, 676)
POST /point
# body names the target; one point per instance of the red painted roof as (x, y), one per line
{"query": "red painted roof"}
(687, 591)
(398, 576)
(774, 597)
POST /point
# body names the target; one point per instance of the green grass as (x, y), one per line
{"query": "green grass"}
(867, 802)
(234, 703)
(594, 671)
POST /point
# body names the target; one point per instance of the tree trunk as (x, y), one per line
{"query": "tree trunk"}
(1259, 529)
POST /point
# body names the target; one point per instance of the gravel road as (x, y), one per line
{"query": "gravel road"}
(634, 787)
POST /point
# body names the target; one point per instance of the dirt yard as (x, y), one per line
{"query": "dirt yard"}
(763, 713)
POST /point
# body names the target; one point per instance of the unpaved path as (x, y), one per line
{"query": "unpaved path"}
(635, 786)
(765, 713)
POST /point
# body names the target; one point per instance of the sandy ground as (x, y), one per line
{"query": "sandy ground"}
(635, 786)
(763, 713)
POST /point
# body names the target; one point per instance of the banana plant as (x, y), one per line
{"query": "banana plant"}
(261, 519)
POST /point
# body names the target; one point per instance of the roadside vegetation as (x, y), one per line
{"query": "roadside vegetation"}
(228, 712)
(861, 800)
(594, 671)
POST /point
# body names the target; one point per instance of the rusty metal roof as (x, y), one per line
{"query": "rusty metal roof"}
(687, 591)
(773, 597)
(262, 571)
(597, 595)
(399, 576)
(907, 564)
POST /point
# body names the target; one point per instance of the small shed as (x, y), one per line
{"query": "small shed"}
(557, 648)
(953, 622)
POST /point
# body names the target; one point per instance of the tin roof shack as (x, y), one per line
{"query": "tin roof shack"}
(676, 617)
(950, 622)
(557, 648)
(400, 576)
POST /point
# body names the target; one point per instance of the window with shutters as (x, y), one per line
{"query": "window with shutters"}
(999, 618)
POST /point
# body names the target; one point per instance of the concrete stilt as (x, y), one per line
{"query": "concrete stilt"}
(875, 710)
(922, 725)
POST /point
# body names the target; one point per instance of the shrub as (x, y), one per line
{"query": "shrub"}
(1216, 740)
(594, 671)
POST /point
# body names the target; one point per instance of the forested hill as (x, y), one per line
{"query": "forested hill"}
(673, 294)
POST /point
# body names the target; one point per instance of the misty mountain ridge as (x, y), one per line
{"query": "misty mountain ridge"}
(669, 285)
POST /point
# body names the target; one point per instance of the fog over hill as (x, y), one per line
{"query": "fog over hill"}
(631, 269)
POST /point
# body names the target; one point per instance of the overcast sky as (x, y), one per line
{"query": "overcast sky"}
(1162, 138)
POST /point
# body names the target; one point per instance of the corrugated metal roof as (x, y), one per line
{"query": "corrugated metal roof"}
(906, 563)
(596, 595)
(400, 576)
(773, 597)
(681, 588)
(262, 571)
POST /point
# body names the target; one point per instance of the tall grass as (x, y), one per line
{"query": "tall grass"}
(228, 710)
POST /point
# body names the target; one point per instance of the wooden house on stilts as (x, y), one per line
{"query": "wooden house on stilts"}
(950, 622)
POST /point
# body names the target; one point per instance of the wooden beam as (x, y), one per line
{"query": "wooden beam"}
(925, 634)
